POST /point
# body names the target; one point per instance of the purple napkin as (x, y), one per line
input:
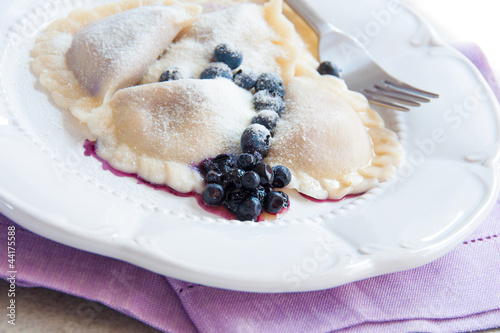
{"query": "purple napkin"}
(457, 293)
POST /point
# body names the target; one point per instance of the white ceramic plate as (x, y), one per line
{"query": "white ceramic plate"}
(449, 184)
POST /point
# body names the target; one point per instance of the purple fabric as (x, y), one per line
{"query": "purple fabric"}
(459, 292)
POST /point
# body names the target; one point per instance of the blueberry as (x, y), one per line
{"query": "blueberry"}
(224, 162)
(285, 197)
(282, 176)
(216, 70)
(249, 209)
(228, 54)
(213, 195)
(260, 193)
(244, 79)
(213, 177)
(171, 73)
(275, 201)
(265, 100)
(234, 198)
(256, 138)
(271, 82)
(258, 156)
(328, 68)
(250, 180)
(246, 161)
(266, 118)
(232, 179)
(206, 166)
(265, 172)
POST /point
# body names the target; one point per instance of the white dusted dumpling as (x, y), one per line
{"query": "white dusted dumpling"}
(114, 52)
(161, 130)
(267, 40)
(326, 143)
(143, 33)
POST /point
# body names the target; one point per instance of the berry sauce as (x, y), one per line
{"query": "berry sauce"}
(90, 150)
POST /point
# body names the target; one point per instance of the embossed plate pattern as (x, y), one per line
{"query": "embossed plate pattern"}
(440, 196)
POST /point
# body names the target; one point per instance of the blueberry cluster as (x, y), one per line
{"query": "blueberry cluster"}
(227, 58)
(245, 185)
(268, 101)
(329, 68)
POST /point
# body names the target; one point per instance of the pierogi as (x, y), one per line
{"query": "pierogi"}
(114, 52)
(265, 37)
(159, 130)
(93, 52)
(104, 64)
(331, 140)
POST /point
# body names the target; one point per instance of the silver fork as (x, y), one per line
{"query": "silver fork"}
(359, 70)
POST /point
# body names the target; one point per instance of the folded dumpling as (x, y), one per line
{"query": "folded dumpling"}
(114, 52)
(161, 131)
(92, 53)
(267, 40)
(331, 140)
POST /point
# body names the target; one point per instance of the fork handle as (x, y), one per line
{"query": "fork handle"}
(311, 16)
(335, 38)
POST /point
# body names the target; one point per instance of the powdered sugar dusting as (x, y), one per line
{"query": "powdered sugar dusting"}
(115, 52)
(243, 25)
(158, 130)
(327, 146)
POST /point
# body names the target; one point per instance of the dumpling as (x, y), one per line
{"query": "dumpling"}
(114, 52)
(266, 38)
(331, 140)
(95, 52)
(160, 131)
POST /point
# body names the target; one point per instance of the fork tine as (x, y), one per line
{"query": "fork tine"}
(400, 93)
(406, 86)
(392, 97)
(385, 103)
